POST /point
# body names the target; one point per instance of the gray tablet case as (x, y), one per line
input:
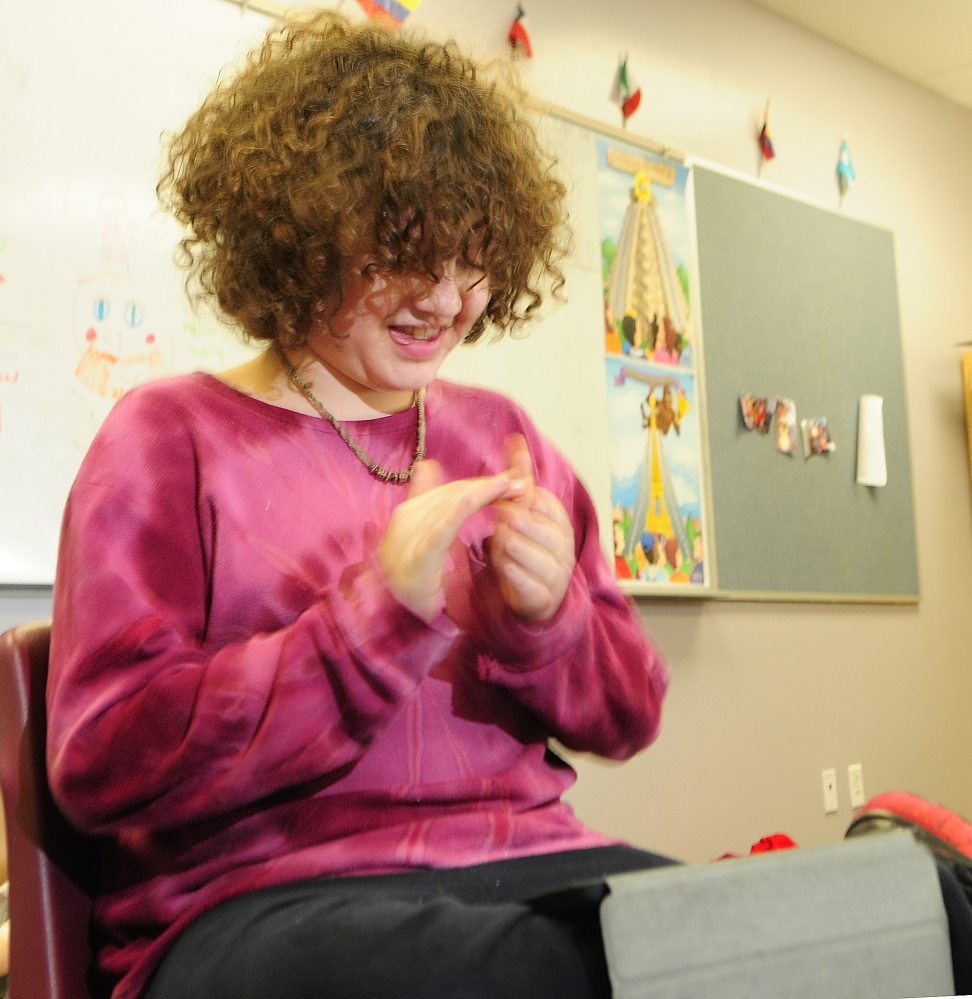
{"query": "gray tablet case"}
(860, 919)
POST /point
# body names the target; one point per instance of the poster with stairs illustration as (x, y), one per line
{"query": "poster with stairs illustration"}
(657, 470)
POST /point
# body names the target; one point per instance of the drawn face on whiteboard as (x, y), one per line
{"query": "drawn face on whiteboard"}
(120, 347)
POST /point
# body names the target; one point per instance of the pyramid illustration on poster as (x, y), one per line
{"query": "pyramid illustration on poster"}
(643, 287)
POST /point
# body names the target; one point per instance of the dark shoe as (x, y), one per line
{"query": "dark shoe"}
(945, 833)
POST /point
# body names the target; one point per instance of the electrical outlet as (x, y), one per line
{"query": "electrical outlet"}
(829, 778)
(855, 782)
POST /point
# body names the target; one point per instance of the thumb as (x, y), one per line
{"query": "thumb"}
(521, 465)
(426, 477)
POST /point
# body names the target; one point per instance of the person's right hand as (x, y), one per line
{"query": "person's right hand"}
(412, 553)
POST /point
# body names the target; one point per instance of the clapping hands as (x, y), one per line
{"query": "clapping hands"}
(531, 550)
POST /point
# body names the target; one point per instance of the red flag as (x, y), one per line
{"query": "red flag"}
(626, 92)
(767, 152)
(519, 37)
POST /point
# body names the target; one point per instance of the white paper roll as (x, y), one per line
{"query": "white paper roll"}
(872, 466)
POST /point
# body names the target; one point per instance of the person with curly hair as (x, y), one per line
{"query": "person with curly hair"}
(317, 617)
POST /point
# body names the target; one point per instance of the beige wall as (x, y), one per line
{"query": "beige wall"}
(765, 696)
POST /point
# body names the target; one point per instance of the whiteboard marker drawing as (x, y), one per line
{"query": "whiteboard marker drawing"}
(121, 349)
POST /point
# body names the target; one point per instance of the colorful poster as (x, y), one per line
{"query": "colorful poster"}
(657, 471)
(644, 255)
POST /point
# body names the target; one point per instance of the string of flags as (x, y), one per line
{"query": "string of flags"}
(625, 89)
(845, 172)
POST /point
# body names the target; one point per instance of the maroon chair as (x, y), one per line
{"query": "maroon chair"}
(53, 869)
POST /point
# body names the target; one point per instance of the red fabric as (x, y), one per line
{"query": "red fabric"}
(775, 841)
(236, 699)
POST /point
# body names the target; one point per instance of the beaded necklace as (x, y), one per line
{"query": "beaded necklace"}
(378, 471)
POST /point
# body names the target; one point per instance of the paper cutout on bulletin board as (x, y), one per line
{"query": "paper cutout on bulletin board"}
(872, 465)
(757, 413)
(816, 436)
(785, 422)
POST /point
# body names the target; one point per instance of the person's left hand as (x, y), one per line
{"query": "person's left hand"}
(532, 548)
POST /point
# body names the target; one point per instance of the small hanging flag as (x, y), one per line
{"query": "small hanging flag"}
(845, 170)
(626, 92)
(519, 37)
(766, 150)
(392, 12)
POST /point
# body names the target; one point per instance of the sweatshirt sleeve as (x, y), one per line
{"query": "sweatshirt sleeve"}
(148, 725)
(589, 674)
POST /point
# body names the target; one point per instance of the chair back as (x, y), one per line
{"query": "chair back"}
(53, 869)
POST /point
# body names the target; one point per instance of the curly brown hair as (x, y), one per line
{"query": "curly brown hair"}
(336, 139)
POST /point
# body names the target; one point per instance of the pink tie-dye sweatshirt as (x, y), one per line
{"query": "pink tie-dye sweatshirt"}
(237, 700)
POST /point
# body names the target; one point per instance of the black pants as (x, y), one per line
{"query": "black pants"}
(516, 929)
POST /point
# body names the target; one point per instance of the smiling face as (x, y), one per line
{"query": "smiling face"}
(393, 331)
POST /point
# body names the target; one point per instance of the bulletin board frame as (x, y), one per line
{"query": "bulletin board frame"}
(967, 397)
(799, 301)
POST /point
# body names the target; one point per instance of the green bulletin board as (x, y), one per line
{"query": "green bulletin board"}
(801, 302)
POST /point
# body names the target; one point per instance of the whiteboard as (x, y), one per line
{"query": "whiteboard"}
(91, 301)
